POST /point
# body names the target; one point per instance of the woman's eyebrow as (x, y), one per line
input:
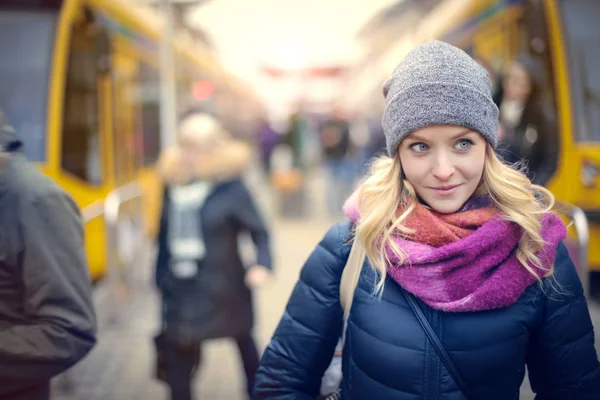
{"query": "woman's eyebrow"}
(416, 137)
(462, 133)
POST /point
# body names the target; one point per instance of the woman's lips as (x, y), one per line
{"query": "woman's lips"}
(445, 190)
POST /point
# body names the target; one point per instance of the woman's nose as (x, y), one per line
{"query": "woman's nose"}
(443, 168)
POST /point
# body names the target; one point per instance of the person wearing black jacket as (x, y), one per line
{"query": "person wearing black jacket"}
(47, 319)
(528, 128)
(205, 287)
(339, 166)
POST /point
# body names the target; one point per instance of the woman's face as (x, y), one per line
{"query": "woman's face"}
(444, 164)
(193, 152)
(517, 83)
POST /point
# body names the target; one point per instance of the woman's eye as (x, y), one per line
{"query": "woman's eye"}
(419, 147)
(464, 144)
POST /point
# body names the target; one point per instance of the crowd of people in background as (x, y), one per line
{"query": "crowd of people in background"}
(336, 143)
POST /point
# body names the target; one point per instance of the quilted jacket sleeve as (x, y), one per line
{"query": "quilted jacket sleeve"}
(562, 361)
(304, 342)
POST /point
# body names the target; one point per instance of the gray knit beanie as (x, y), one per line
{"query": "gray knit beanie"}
(438, 84)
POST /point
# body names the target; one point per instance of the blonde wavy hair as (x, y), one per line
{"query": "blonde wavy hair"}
(385, 191)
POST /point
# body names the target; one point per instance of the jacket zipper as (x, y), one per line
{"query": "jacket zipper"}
(435, 365)
(431, 372)
(429, 361)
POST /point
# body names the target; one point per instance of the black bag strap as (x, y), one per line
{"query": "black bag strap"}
(435, 341)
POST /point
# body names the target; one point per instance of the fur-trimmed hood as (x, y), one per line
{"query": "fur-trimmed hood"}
(226, 162)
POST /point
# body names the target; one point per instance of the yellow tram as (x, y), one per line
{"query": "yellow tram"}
(79, 80)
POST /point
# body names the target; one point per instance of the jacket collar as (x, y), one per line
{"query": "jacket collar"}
(9, 140)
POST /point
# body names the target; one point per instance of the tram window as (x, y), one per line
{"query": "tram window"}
(150, 113)
(81, 133)
(26, 40)
(580, 21)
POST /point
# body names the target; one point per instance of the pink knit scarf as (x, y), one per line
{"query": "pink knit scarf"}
(466, 261)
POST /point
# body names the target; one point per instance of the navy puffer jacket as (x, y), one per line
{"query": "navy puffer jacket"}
(387, 355)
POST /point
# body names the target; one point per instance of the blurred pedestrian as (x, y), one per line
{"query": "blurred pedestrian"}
(340, 169)
(47, 319)
(268, 140)
(528, 131)
(205, 287)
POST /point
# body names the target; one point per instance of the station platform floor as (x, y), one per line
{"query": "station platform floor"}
(121, 366)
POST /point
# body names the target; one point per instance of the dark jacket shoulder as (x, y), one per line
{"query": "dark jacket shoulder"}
(24, 180)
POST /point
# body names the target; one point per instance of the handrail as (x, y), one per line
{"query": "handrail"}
(580, 222)
(92, 211)
(119, 196)
(112, 208)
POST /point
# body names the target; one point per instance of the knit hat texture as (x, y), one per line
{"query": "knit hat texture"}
(438, 84)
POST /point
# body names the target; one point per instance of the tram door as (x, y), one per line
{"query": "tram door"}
(84, 155)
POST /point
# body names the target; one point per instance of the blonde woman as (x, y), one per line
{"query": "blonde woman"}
(466, 280)
(205, 288)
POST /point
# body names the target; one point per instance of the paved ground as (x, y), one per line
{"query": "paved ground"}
(120, 368)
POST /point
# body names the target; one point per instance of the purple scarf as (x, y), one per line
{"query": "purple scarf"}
(478, 272)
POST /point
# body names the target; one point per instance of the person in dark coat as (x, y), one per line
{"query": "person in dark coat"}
(466, 281)
(47, 319)
(205, 287)
(337, 161)
(268, 140)
(528, 128)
